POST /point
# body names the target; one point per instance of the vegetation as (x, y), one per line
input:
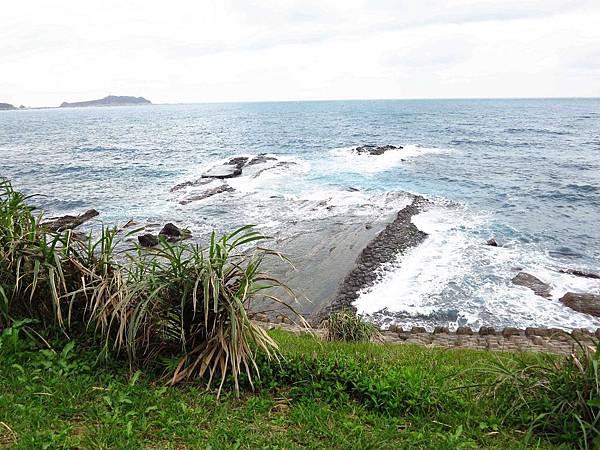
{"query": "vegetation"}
(558, 397)
(75, 311)
(177, 305)
(320, 395)
(347, 326)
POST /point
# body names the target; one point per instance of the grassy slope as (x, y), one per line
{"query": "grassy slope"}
(61, 400)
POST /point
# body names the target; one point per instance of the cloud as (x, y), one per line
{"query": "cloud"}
(276, 49)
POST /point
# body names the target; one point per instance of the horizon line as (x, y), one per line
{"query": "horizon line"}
(591, 97)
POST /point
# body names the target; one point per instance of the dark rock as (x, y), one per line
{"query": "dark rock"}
(441, 330)
(510, 331)
(224, 171)
(238, 161)
(535, 284)
(170, 230)
(585, 303)
(261, 159)
(597, 333)
(492, 242)
(69, 222)
(464, 330)
(173, 233)
(185, 184)
(148, 240)
(417, 330)
(580, 333)
(206, 194)
(532, 331)
(395, 329)
(581, 273)
(487, 331)
(374, 149)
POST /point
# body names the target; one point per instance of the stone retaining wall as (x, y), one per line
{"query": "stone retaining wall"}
(545, 340)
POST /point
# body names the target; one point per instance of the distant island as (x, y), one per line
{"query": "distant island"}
(6, 106)
(111, 100)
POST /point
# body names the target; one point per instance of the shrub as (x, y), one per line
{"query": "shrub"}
(349, 327)
(559, 397)
(175, 301)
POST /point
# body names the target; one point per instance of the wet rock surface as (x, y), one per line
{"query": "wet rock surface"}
(581, 273)
(535, 284)
(585, 303)
(69, 222)
(206, 194)
(492, 243)
(397, 237)
(375, 150)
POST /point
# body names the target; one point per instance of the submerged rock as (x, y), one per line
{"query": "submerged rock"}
(69, 222)
(148, 240)
(375, 150)
(585, 303)
(581, 273)
(535, 284)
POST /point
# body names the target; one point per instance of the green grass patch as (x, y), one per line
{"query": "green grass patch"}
(321, 395)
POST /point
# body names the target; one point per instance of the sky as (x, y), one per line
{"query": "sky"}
(183, 51)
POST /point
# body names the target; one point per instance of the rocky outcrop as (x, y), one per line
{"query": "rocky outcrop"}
(111, 100)
(581, 273)
(375, 150)
(535, 284)
(6, 106)
(69, 222)
(492, 242)
(584, 303)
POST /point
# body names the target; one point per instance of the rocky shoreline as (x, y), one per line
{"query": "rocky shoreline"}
(396, 238)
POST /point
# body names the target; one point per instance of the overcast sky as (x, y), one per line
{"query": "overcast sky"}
(245, 50)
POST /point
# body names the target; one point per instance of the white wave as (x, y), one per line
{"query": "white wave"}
(453, 270)
(345, 159)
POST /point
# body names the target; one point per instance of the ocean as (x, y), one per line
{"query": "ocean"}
(525, 172)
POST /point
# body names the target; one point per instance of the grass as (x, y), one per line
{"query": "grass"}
(348, 326)
(67, 398)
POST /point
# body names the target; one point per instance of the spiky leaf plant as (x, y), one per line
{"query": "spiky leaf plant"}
(194, 303)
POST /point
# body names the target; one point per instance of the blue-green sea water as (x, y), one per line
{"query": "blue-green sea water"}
(526, 172)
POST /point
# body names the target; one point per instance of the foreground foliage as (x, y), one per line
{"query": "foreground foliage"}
(377, 396)
(180, 306)
(558, 397)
